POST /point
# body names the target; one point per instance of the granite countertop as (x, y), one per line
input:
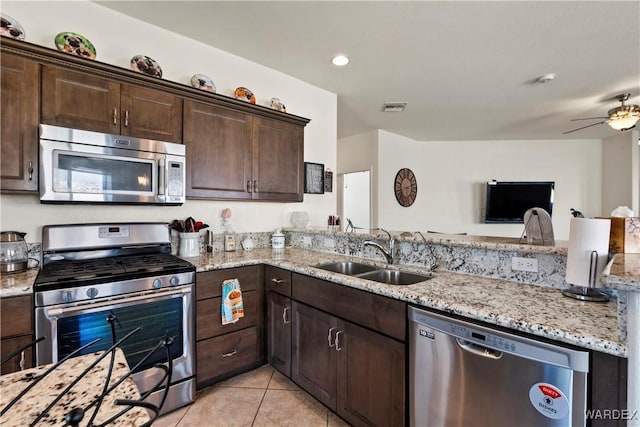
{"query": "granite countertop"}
(537, 310)
(26, 410)
(623, 273)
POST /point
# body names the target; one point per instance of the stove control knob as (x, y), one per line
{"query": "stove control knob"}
(67, 296)
(157, 283)
(92, 292)
(174, 281)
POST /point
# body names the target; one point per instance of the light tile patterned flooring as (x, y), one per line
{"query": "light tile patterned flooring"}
(259, 398)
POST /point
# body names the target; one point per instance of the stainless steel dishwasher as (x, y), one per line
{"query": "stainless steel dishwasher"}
(463, 374)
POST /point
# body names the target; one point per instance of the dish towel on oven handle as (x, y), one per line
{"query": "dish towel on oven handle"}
(232, 307)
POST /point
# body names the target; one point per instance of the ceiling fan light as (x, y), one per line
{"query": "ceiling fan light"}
(622, 123)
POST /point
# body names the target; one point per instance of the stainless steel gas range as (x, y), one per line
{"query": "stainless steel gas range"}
(94, 271)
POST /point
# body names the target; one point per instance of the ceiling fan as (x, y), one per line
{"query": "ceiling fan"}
(620, 118)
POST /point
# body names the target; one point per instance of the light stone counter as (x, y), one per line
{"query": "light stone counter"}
(623, 273)
(537, 310)
(29, 406)
(16, 284)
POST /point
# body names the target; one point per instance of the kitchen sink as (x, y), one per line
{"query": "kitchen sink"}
(394, 277)
(376, 274)
(349, 268)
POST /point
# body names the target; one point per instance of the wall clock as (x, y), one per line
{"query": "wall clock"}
(405, 187)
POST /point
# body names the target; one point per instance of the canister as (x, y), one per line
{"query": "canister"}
(277, 240)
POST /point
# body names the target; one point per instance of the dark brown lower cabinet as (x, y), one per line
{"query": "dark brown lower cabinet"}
(358, 373)
(226, 350)
(279, 332)
(17, 331)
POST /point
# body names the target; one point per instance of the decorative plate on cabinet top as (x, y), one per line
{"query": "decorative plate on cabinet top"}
(145, 65)
(75, 44)
(277, 105)
(10, 27)
(200, 81)
(245, 94)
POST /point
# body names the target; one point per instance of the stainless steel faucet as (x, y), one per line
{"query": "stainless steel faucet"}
(388, 253)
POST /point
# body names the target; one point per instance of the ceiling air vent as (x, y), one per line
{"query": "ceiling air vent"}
(394, 107)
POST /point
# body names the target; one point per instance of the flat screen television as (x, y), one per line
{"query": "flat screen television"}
(507, 202)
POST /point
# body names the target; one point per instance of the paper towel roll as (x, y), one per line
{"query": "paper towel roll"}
(586, 235)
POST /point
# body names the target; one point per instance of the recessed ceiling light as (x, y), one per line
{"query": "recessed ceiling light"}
(340, 60)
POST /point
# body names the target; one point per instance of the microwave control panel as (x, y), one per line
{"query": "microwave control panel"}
(176, 177)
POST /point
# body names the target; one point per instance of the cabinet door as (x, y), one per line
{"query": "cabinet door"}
(150, 113)
(278, 160)
(81, 101)
(218, 143)
(313, 365)
(19, 123)
(371, 377)
(279, 332)
(11, 345)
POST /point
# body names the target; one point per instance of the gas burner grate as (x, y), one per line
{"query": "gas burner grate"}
(63, 270)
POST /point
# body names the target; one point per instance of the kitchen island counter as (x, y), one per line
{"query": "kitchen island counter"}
(29, 406)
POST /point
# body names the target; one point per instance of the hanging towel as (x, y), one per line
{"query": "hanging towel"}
(232, 307)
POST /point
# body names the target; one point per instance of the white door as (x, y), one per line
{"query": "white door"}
(356, 199)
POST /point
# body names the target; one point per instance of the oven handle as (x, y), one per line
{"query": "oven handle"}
(57, 311)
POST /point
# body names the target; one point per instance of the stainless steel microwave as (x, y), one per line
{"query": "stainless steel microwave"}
(78, 166)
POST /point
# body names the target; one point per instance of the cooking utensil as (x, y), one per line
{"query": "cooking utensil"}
(14, 254)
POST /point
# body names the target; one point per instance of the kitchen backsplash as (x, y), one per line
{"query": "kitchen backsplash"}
(475, 259)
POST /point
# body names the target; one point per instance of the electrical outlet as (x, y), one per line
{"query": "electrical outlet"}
(329, 243)
(306, 240)
(524, 264)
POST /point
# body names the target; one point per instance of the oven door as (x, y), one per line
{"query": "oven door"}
(159, 314)
(71, 172)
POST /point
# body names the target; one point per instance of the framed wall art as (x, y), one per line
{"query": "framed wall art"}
(313, 178)
(328, 181)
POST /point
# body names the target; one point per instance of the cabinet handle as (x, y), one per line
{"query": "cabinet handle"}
(338, 348)
(284, 316)
(231, 353)
(277, 281)
(115, 116)
(329, 337)
(255, 186)
(126, 118)
(249, 186)
(30, 170)
(22, 360)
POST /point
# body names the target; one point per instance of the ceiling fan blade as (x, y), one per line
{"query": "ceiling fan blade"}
(588, 118)
(584, 127)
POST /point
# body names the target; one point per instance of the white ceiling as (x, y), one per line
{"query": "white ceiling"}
(465, 68)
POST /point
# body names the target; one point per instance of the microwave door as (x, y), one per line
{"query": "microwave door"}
(95, 174)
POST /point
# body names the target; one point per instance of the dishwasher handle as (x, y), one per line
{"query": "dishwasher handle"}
(478, 349)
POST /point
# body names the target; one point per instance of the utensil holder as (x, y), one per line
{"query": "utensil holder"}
(189, 244)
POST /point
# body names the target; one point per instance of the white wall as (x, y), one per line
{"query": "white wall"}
(621, 172)
(117, 38)
(451, 179)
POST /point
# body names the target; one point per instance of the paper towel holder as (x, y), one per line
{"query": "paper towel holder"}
(588, 293)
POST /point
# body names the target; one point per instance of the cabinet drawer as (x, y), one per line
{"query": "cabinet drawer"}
(382, 314)
(277, 280)
(208, 316)
(10, 345)
(209, 283)
(221, 355)
(15, 316)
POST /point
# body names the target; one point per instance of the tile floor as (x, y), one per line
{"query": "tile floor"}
(259, 398)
